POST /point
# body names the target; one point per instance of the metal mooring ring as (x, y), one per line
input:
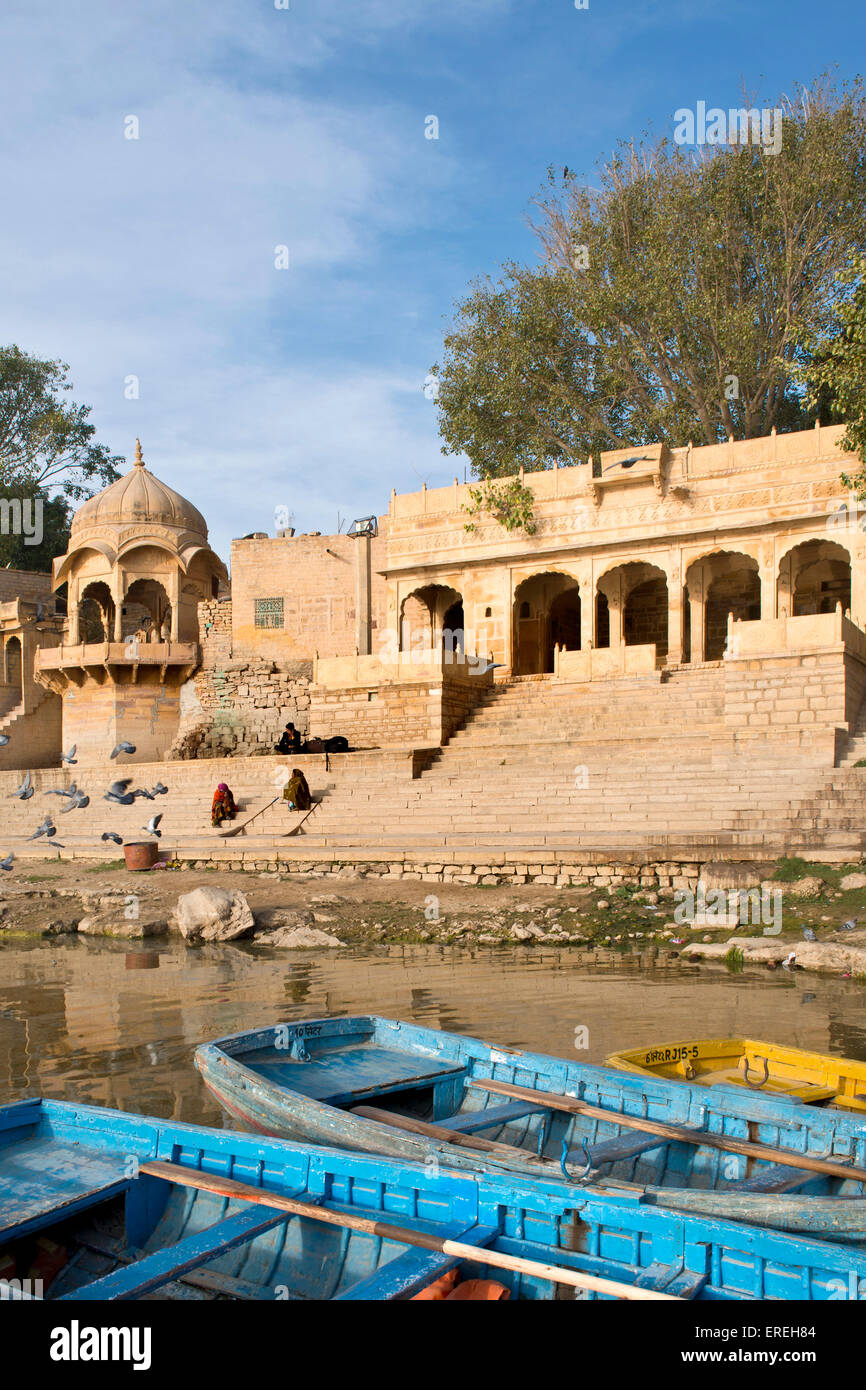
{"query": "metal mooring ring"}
(755, 1085)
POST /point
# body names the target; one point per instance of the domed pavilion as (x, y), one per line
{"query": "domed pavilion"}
(137, 566)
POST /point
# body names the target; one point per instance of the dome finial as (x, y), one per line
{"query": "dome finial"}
(139, 461)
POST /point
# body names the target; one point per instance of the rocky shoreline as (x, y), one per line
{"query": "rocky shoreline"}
(268, 909)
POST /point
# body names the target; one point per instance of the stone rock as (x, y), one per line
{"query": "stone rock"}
(804, 888)
(213, 914)
(525, 932)
(719, 874)
(602, 905)
(272, 918)
(116, 925)
(852, 881)
(299, 938)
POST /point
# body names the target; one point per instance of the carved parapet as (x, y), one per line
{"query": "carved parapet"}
(122, 663)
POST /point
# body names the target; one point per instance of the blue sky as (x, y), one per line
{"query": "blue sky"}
(261, 127)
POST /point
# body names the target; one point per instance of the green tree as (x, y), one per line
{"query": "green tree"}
(835, 373)
(33, 528)
(45, 439)
(672, 301)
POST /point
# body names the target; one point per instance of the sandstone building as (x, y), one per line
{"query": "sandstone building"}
(672, 663)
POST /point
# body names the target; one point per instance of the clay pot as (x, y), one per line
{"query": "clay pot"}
(141, 854)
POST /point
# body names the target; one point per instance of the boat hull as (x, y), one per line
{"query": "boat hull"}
(60, 1164)
(817, 1078)
(305, 1082)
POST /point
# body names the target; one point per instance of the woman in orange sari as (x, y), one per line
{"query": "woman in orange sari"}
(223, 807)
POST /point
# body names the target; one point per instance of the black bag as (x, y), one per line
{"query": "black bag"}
(337, 744)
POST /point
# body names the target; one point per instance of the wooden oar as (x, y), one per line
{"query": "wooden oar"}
(228, 1187)
(572, 1106)
(509, 1153)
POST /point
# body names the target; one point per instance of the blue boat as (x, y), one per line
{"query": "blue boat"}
(130, 1207)
(381, 1086)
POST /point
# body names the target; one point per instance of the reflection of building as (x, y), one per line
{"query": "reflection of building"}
(137, 566)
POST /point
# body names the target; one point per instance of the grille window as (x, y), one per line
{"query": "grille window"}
(269, 612)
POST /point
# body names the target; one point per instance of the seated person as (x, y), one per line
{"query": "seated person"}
(297, 792)
(223, 807)
(290, 740)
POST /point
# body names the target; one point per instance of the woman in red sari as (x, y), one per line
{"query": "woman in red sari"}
(223, 807)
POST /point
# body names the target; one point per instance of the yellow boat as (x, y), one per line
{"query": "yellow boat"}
(815, 1077)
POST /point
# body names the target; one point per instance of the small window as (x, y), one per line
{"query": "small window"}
(269, 612)
(488, 612)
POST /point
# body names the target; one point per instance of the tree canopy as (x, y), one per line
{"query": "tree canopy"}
(672, 301)
(45, 439)
(835, 373)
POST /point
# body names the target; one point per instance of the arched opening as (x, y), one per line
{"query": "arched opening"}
(96, 614)
(432, 617)
(645, 619)
(632, 607)
(813, 578)
(454, 628)
(725, 582)
(146, 611)
(13, 675)
(546, 614)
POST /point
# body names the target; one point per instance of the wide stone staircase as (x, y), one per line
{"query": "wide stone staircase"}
(645, 765)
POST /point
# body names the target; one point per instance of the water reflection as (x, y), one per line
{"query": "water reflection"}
(95, 1022)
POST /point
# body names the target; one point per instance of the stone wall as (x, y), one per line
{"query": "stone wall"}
(424, 713)
(793, 694)
(314, 579)
(237, 706)
(23, 584)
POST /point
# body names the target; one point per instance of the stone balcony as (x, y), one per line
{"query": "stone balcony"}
(122, 663)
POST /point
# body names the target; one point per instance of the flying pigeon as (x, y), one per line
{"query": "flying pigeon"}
(25, 791)
(117, 792)
(159, 789)
(76, 803)
(70, 756)
(110, 835)
(849, 925)
(7, 862)
(142, 791)
(808, 934)
(122, 747)
(4, 739)
(63, 791)
(46, 828)
(151, 826)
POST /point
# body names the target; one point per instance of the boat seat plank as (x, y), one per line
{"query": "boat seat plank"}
(164, 1266)
(622, 1147)
(415, 1269)
(473, 1120)
(774, 1085)
(687, 1285)
(776, 1177)
(42, 1181)
(671, 1279)
(353, 1072)
(658, 1276)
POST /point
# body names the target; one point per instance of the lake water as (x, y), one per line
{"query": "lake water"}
(93, 1021)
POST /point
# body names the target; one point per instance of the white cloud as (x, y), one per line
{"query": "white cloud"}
(155, 257)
